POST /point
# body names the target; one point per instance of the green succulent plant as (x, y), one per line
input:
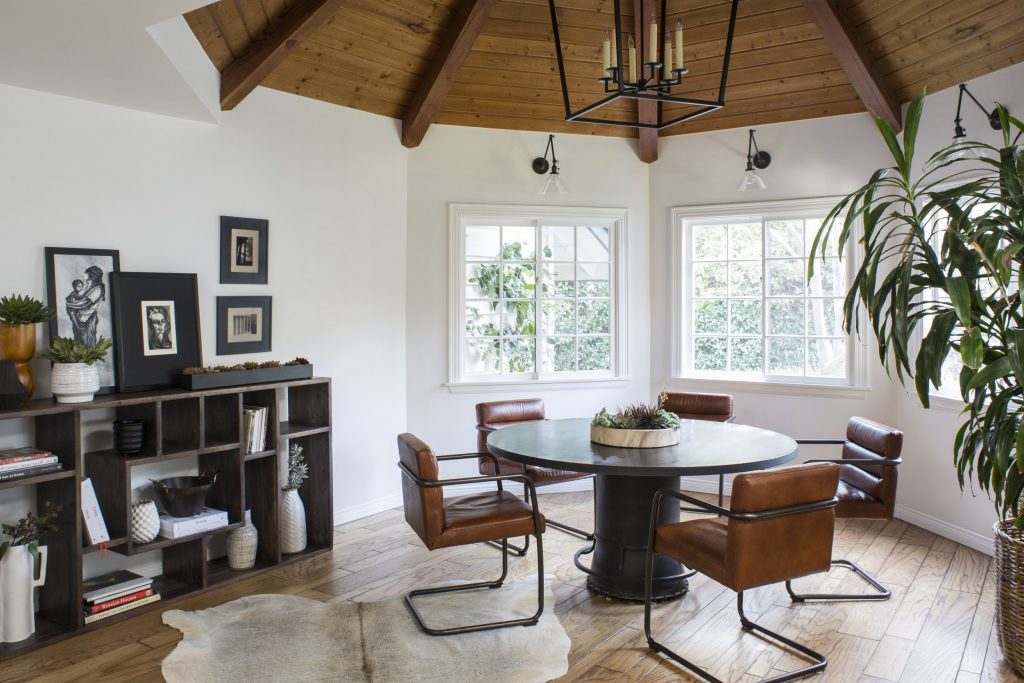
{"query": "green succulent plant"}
(67, 350)
(638, 416)
(23, 310)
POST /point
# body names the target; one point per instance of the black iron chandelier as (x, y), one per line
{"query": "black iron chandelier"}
(652, 78)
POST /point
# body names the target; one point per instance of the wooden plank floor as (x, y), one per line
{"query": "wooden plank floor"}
(936, 628)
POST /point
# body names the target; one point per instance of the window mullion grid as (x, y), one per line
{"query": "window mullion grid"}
(538, 252)
(501, 300)
(764, 299)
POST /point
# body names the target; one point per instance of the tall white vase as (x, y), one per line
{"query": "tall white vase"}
(17, 581)
(293, 522)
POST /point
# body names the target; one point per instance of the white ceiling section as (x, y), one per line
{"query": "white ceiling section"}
(138, 54)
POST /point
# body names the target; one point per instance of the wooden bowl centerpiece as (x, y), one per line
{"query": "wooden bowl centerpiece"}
(636, 426)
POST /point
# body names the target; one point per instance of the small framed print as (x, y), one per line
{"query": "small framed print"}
(243, 250)
(160, 336)
(243, 324)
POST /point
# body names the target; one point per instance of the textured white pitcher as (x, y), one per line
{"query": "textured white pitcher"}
(293, 522)
(74, 382)
(17, 581)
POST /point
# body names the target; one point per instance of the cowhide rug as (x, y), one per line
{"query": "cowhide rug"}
(288, 638)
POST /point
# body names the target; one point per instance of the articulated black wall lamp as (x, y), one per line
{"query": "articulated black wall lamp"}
(959, 132)
(756, 159)
(553, 184)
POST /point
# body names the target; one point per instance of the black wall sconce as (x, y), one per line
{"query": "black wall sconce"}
(756, 159)
(959, 132)
(553, 184)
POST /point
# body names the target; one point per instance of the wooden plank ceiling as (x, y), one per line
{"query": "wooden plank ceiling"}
(374, 55)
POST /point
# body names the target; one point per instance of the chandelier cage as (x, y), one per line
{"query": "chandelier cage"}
(651, 82)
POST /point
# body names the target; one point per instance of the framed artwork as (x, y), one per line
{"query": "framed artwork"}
(78, 289)
(243, 324)
(243, 250)
(156, 328)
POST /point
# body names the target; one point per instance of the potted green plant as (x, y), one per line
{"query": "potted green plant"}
(636, 426)
(17, 572)
(18, 318)
(75, 378)
(944, 255)
(293, 512)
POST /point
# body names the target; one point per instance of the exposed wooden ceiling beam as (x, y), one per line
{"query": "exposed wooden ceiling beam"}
(647, 110)
(444, 69)
(855, 61)
(241, 76)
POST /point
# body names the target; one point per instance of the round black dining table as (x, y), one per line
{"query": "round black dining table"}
(626, 481)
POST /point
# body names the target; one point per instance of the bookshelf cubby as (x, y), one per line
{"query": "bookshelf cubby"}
(202, 425)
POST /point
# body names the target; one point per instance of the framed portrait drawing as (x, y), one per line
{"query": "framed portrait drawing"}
(156, 328)
(243, 250)
(243, 324)
(78, 289)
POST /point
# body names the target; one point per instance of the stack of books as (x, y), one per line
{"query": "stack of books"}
(16, 463)
(254, 428)
(208, 519)
(116, 592)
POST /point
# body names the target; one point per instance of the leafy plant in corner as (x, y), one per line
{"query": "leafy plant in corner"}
(29, 528)
(298, 470)
(68, 350)
(23, 310)
(638, 416)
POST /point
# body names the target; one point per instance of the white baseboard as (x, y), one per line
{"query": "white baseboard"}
(972, 539)
(354, 512)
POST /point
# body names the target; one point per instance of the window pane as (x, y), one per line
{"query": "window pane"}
(482, 281)
(829, 278)
(517, 243)
(709, 279)
(710, 353)
(595, 353)
(786, 316)
(709, 242)
(812, 226)
(592, 244)
(482, 356)
(518, 317)
(557, 241)
(593, 279)
(746, 354)
(557, 279)
(483, 318)
(520, 281)
(746, 317)
(519, 354)
(745, 278)
(594, 316)
(745, 241)
(786, 277)
(825, 318)
(785, 356)
(482, 243)
(826, 358)
(559, 354)
(559, 317)
(786, 238)
(710, 316)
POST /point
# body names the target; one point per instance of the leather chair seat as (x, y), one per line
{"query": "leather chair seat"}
(702, 542)
(855, 503)
(485, 517)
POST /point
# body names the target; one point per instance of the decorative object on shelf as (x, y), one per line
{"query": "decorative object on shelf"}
(756, 159)
(76, 376)
(651, 76)
(243, 250)
(196, 379)
(12, 391)
(243, 324)
(94, 527)
(78, 288)
(156, 327)
(636, 426)
(19, 316)
(129, 436)
(293, 513)
(971, 207)
(242, 544)
(184, 496)
(207, 519)
(17, 572)
(553, 183)
(145, 521)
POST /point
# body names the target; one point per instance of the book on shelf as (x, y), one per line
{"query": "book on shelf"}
(30, 471)
(208, 519)
(97, 607)
(45, 459)
(26, 453)
(113, 584)
(89, 618)
(255, 428)
(94, 528)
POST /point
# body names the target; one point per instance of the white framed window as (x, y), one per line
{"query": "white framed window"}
(743, 308)
(537, 294)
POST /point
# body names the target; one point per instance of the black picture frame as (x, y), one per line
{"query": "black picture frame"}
(80, 314)
(244, 250)
(244, 324)
(158, 345)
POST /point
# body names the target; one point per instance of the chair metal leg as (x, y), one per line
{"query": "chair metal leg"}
(527, 621)
(883, 592)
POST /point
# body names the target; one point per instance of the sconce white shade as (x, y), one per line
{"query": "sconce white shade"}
(751, 181)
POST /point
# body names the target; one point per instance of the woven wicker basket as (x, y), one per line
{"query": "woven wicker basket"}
(1010, 592)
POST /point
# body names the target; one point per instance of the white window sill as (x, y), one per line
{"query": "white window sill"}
(942, 402)
(788, 389)
(546, 384)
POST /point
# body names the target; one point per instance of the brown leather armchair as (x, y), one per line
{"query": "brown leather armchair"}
(779, 527)
(495, 415)
(867, 490)
(692, 405)
(479, 518)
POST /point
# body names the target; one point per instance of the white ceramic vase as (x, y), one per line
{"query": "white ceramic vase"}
(74, 382)
(242, 544)
(145, 521)
(293, 522)
(17, 584)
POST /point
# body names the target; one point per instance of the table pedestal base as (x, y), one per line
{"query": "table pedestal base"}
(620, 539)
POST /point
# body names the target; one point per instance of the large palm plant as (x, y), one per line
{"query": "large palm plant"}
(944, 255)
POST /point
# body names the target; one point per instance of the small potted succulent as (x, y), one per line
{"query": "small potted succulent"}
(251, 372)
(293, 512)
(18, 318)
(636, 426)
(75, 378)
(17, 572)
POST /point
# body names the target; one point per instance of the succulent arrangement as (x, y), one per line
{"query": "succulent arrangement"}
(250, 365)
(638, 416)
(298, 470)
(29, 528)
(23, 310)
(68, 350)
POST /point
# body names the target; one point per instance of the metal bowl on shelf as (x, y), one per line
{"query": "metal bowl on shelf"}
(184, 496)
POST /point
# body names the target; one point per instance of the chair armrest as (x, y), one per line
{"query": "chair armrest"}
(887, 462)
(823, 442)
(763, 514)
(466, 456)
(485, 430)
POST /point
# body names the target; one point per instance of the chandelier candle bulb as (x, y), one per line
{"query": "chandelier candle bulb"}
(668, 57)
(606, 54)
(679, 45)
(632, 59)
(652, 44)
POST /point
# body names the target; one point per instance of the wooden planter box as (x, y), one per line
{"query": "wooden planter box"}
(634, 438)
(236, 378)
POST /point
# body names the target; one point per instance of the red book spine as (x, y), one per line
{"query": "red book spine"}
(23, 458)
(117, 602)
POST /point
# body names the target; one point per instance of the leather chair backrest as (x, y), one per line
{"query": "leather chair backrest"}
(424, 507)
(498, 414)
(873, 441)
(764, 551)
(697, 406)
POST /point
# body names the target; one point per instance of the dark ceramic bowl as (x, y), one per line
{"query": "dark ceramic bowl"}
(183, 496)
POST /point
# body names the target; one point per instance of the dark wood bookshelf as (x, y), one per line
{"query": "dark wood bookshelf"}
(205, 425)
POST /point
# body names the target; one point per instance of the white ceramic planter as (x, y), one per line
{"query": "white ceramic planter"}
(74, 382)
(17, 581)
(293, 522)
